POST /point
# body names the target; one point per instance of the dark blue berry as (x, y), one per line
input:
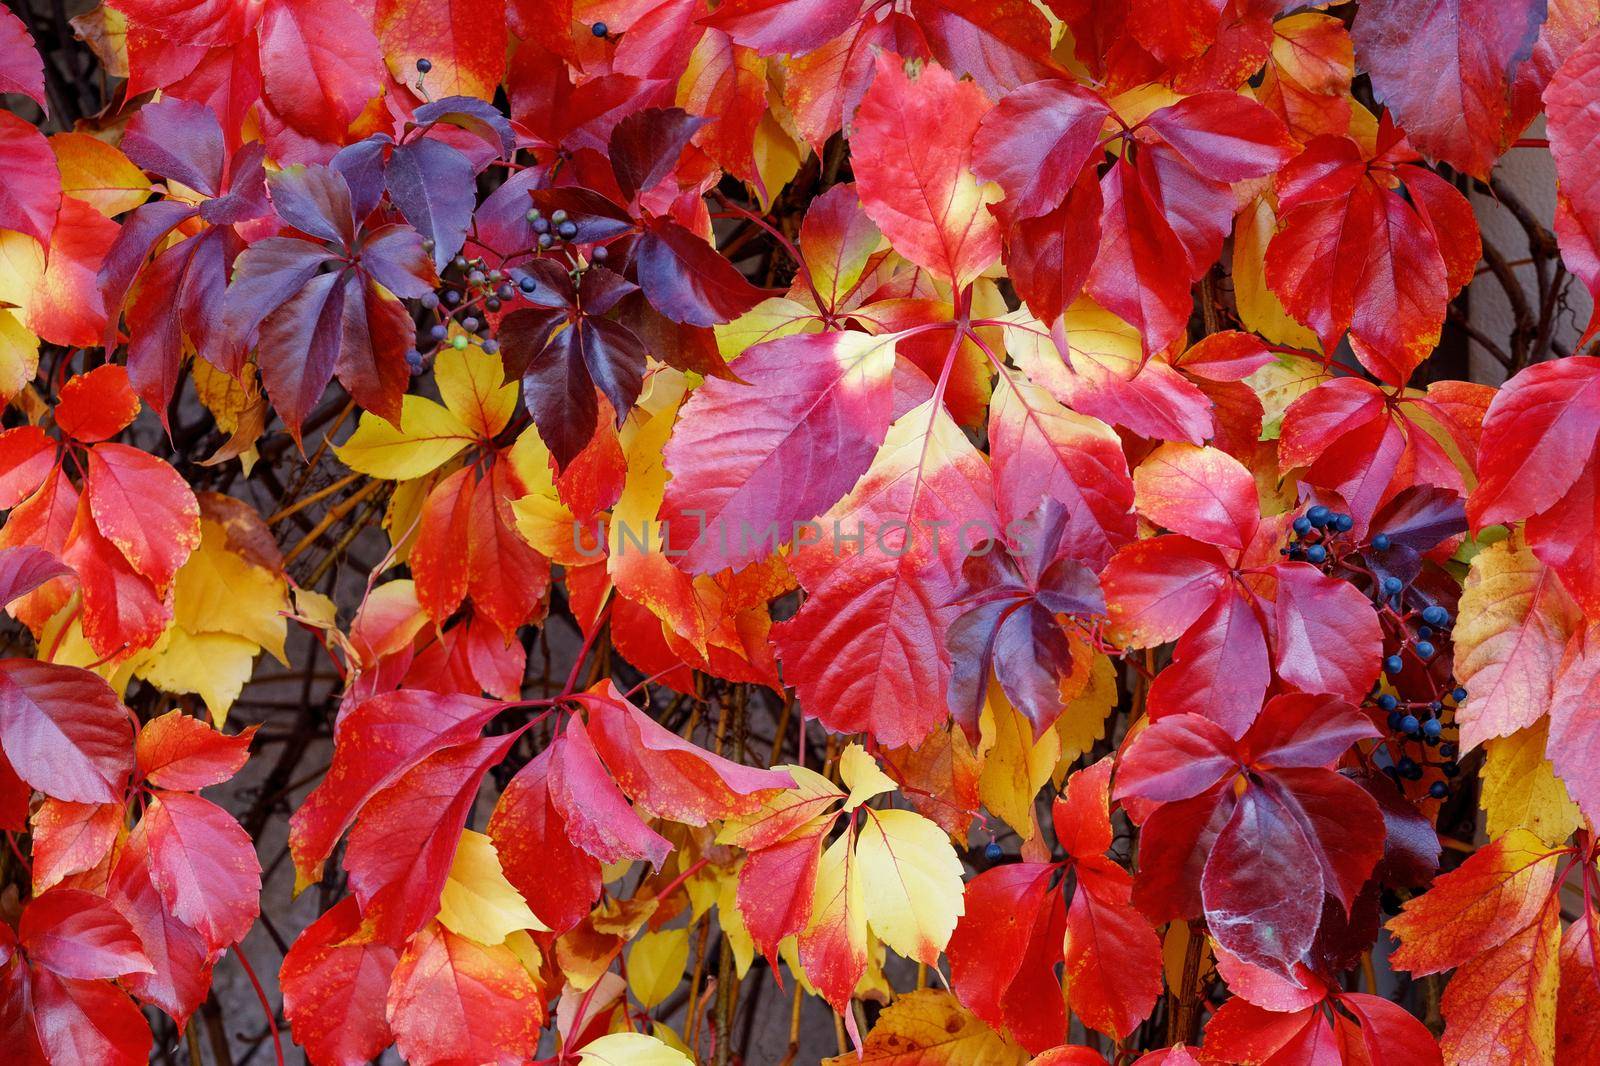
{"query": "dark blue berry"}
(1317, 554)
(1438, 790)
(541, 225)
(1431, 728)
(1448, 750)
(505, 292)
(599, 29)
(1381, 542)
(477, 277)
(423, 66)
(545, 240)
(1394, 721)
(438, 332)
(1393, 665)
(470, 324)
(452, 297)
(1319, 515)
(1436, 615)
(992, 852)
(1435, 706)
(1459, 695)
(1424, 632)
(1343, 523)
(492, 304)
(1387, 702)
(491, 347)
(1424, 650)
(1410, 770)
(1302, 525)
(1392, 585)
(1409, 725)
(568, 230)
(526, 283)
(600, 255)
(1449, 769)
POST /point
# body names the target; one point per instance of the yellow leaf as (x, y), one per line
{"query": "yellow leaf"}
(428, 437)
(1279, 384)
(19, 356)
(1515, 620)
(218, 591)
(862, 776)
(731, 919)
(98, 174)
(473, 386)
(1015, 766)
(656, 963)
(930, 1028)
(1259, 308)
(478, 902)
(630, 1049)
(774, 317)
(214, 666)
(21, 267)
(915, 878)
(778, 156)
(1083, 721)
(1521, 789)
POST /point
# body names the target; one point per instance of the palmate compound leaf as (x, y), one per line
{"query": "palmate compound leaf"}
(777, 448)
(326, 306)
(1237, 616)
(1018, 928)
(1353, 255)
(1295, 823)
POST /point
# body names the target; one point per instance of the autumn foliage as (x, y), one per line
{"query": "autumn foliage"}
(966, 518)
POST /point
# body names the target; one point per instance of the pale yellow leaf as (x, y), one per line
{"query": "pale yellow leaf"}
(1015, 766)
(1259, 309)
(214, 666)
(862, 776)
(19, 356)
(218, 591)
(478, 902)
(473, 386)
(912, 878)
(428, 437)
(1521, 789)
(630, 1049)
(656, 964)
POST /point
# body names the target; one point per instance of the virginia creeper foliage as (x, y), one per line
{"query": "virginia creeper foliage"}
(974, 515)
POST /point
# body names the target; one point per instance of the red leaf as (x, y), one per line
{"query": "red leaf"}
(65, 306)
(96, 405)
(793, 26)
(180, 957)
(21, 69)
(64, 731)
(912, 144)
(79, 935)
(144, 508)
(401, 848)
(1444, 67)
(999, 44)
(466, 45)
(87, 1021)
(24, 569)
(29, 203)
(376, 743)
(597, 815)
(1133, 274)
(1036, 141)
(319, 65)
(809, 414)
(71, 838)
(1326, 636)
(204, 865)
(667, 775)
(184, 754)
(453, 1000)
(334, 987)
(1573, 118)
(993, 967)
(559, 880)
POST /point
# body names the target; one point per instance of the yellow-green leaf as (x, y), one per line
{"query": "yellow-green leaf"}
(916, 893)
(656, 963)
(429, 436)
(1521, 789)
(478, 902)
